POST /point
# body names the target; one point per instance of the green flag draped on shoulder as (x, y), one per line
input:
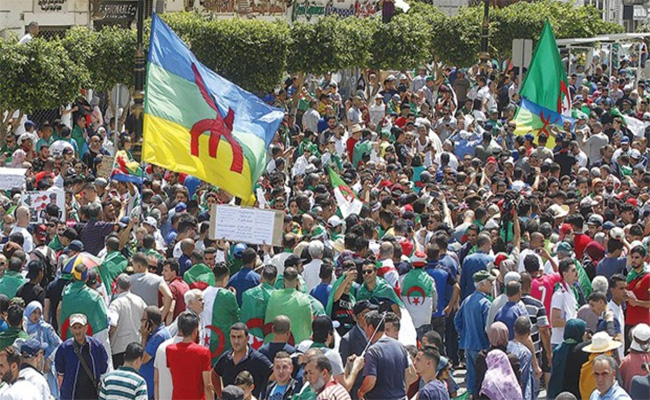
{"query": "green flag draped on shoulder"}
(345, 197)
(114, 264)
(383, 291)
(545, 83)
(419, 296)
(79, 298)
(197, 274)
(225, 312)
(330, 299)
(296, 306)
(253, 312)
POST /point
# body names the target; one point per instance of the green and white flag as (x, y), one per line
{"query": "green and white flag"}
(419, 296)
(345, 198)
(253, 312)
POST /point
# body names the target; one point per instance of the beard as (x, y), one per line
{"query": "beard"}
(8, 377)
(318, 385)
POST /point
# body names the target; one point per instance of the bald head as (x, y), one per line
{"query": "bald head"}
(187, 246)
(386, 250)
(22, 216)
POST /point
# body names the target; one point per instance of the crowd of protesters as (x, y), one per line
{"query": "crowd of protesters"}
(535, 255)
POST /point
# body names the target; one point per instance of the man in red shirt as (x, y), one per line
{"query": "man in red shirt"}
(580, 239)
(190, 363)
(177, 286)
(638, 291)
(355, 136)
(542, 285)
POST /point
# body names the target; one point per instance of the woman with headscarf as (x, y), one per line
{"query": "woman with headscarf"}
(498, 336)
(38, 329)
(500, 382)
(594, 252)
(568, 357)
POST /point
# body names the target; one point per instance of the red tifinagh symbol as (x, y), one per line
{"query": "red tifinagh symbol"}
(546, 122)
(217, 127)
(563, 91)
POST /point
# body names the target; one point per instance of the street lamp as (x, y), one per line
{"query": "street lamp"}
(484, 56)
(138, 94)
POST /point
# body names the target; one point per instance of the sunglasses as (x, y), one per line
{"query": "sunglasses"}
(367, 271)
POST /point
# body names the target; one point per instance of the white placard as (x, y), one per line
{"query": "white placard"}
(11, 178)
(37, 201)
(248, 225)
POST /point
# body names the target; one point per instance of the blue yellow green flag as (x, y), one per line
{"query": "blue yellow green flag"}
(199, 123)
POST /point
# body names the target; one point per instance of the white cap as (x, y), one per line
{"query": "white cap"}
(151, 221)
(617, 233)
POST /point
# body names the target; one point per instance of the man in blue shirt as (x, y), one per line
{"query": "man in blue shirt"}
(513, 308)
(322, 291)
(471, 322)
(153, 333)
(473, 263)
(245, 278)
(605, 375)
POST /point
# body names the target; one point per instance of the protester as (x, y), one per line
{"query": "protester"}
(125, 382)
(417, 204)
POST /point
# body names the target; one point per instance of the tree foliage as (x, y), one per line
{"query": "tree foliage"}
(38, 75)
(252, 54)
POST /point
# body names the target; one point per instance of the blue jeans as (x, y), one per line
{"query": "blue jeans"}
(470, 378)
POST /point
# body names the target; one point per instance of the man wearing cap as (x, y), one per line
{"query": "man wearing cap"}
(80, 361)
(471, 323)
(14, 386)
(32, 358)
(32, 289)
(632, 364)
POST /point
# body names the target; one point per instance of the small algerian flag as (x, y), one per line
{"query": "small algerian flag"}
(345, 197)
(418, 294)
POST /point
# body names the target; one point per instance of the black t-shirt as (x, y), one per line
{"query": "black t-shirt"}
(30, 292)
(54, 292)
(566, 162)
(342, 312)
(84, 388)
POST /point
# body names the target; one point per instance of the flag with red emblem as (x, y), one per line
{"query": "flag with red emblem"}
(419, 292)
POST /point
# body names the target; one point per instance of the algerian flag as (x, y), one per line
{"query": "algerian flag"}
(297, 307)
(200, 276)
(345, 197)
(253, 312)
(383, 291)
(545, 83)
(222, 311)
(419, 296)
(636, 126)
(79, 298)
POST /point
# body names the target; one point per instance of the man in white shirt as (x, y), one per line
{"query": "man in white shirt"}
(617, 286)
(32, 358)
(32, 32)
(564, 305)
(22, 222)
(595, 141)
(310, 117)
(19, 389)
(124, 313)
(311, 270)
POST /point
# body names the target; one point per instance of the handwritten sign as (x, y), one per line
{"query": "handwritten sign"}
(11, 178)
(106, 167)
(248, 225)
(38, 201)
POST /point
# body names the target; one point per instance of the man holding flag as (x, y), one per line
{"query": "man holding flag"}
(254, 303)
(377, 290)
(419, 294)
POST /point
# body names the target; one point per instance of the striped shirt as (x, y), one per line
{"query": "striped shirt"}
(123, 383)
(333, 391)
(538, 319)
